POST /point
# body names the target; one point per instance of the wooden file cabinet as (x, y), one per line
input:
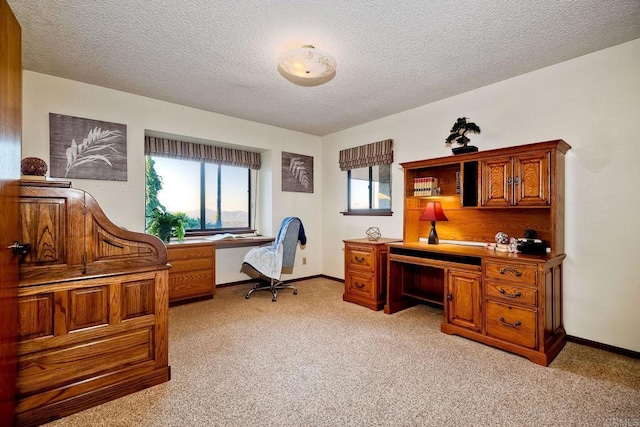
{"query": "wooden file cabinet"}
(365, 272)
(192, 274)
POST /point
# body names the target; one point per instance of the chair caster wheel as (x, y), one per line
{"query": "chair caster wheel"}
(246, 297)
(273, 300)
(295, 293)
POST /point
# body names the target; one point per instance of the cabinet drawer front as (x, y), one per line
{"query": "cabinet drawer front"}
(61, 365)
(177, 253)
(360, 285)
(190, 285)
(512, 294)
(360, 257)
(513, 324)
(190, 265)
(516, 273)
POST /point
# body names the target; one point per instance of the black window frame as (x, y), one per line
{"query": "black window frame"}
(370, 211)
(202, 231)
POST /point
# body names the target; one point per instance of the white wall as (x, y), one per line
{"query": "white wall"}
(593, 103)
(123, 202)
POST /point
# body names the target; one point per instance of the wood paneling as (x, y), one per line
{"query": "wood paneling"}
(36, 316)
(88, 307)
(110, 247)
(43, 225)
(137, 298)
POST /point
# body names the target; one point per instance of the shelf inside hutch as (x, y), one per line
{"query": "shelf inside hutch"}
(455, 180)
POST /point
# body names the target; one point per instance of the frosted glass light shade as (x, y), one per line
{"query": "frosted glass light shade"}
(307, 66)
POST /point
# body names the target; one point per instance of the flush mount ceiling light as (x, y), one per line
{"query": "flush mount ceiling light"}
(307, 66)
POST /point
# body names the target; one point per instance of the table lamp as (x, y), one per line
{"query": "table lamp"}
(433, 212)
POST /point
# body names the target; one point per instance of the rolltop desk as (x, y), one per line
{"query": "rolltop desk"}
(93, 306)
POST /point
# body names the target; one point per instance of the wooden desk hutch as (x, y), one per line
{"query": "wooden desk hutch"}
(509, 301)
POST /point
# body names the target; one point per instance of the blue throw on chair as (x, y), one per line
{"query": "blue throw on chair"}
(269, 261)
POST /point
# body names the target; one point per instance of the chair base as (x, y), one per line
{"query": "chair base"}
(272, 286)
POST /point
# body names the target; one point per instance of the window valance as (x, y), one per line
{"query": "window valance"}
(201, 152)
(376, 153)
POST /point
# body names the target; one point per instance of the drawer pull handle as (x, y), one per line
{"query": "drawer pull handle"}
(359, 259)
(516, 295)
(513, 270)
(511, 325)
(359, 285)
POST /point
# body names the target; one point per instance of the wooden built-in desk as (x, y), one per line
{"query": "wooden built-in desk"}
(509, 301)
(193, 266)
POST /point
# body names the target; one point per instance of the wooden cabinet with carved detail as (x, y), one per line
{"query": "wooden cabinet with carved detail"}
(93, 306)
(463, 303)
(521, 180)
(365, 272)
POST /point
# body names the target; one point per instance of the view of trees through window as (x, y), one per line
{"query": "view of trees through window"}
(213, 196)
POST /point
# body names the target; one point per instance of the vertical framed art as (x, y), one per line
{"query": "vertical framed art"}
(297, 173)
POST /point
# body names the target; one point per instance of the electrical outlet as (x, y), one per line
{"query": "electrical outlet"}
(304, 260)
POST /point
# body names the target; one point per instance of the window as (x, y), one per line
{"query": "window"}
(369, 190)
(214, 197)
(368, 178)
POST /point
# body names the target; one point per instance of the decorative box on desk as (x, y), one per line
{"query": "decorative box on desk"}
(193, 270)
(365, 272)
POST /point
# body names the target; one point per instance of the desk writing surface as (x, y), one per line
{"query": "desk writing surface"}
(221, 244)
(465, 250)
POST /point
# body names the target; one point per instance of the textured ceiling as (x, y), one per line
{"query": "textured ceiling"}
(221, 56)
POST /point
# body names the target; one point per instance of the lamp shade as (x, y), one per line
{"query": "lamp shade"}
(433, 212)
(307, 66)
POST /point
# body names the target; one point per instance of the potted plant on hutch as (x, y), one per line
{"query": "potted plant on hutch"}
(163, 224)
(458, 135)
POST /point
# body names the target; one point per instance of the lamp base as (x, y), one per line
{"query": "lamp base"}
(433, 236)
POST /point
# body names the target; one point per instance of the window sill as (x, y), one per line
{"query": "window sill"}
(201, 233)
(367, 212)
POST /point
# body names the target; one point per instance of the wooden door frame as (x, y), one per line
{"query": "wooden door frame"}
(10, 148)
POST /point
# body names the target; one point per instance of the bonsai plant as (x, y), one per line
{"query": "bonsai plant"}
(163, 224)
(458, 135)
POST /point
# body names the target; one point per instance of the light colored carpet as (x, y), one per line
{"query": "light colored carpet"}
(314, 360)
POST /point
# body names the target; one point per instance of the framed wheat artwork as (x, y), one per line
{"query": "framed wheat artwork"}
(297, 173)
(87, 149)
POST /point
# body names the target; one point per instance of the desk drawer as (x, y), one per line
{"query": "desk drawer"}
(360, 257)
(188, 252)
(512, 324)
(516, 273)
(191, 284)
(360, 284)
(190, 265)
(509, 294)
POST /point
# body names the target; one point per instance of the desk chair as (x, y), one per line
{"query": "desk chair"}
(270, 261)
